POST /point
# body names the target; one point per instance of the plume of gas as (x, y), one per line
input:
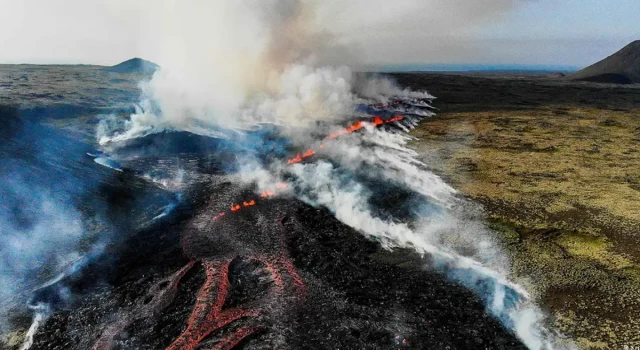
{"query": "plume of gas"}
(380, 88)
(31, 219)
(41, 232)
(275, 66)
(41, 313)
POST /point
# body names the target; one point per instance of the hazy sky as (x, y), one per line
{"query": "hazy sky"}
(547, 32)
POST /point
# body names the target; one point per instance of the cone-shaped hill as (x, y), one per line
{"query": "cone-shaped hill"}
(134, 65)
(623, 67)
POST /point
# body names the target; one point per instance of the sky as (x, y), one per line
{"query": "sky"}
(383, 32)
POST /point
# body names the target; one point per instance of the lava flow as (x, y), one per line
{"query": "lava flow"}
(375, 121)
(208, 314)
(251, 202)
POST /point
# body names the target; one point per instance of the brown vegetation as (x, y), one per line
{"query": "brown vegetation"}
(560, 183)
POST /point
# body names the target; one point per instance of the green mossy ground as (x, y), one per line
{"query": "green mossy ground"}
(561, 186)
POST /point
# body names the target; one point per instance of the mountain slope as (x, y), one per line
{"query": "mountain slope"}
(623, 67)
(134, 65)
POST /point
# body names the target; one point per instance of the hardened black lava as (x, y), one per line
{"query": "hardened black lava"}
(277, 274)
(290, 277)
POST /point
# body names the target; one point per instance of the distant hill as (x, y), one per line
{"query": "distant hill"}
(134, 65)
(623, 67)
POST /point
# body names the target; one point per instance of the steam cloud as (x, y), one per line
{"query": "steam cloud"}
(233, 65)
(267, 64)
(385, 32)
(40, 234)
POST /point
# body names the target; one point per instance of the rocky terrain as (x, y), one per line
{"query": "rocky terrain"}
(134, 262)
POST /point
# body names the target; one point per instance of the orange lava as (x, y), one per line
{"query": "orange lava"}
(297, 159)
(234, 339)
(267, 194)
(375, 121)
(394, 119)
(208, 314)
(251, 202)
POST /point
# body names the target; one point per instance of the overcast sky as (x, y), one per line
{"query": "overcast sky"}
(529, 32)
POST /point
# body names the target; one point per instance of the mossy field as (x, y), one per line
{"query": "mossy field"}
(556, 166)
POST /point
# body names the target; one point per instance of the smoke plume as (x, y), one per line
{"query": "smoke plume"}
(238, 64)
(40, 234)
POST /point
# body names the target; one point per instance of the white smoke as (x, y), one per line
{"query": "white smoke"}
(239, 63)
(457, 242)
(41, 313)
(381, 88)
(40, 232)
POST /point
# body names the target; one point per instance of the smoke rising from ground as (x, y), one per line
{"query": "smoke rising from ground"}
(446, 227)
(40, 234)
(237, 64)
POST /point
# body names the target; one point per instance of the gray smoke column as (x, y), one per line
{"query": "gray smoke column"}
(238, 63)
(385, 31)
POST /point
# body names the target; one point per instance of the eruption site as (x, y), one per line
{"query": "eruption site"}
(375, 121)
(293, 213)
(254, 266)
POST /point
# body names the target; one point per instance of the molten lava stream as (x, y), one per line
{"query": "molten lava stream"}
(251, 202)
(207, 315)
(233, 340)
(375, 121)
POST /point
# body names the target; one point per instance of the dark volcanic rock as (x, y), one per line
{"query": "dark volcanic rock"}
(134, 65)
(623, 67)
(608, 78)
(311, 281)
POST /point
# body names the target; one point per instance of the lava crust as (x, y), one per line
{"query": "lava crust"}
(279, 274)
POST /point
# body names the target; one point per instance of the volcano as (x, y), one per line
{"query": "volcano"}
(201, 258)
(280, 275)
(134, 65)
(623, 67)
